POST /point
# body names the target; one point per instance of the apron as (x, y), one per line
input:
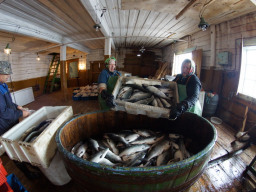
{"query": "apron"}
(110, 87)
(183, 95)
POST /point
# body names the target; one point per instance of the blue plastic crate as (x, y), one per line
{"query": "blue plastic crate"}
(15, 184)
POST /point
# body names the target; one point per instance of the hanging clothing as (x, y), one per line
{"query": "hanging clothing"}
(9, 114)
(109, 79)
(189, 88)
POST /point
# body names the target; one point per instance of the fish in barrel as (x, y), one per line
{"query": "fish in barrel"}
(133, 148)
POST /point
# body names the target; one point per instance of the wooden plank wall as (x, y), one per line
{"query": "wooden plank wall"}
(218, 78)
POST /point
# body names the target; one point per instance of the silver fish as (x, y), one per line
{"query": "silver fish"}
(112, 146)
(113, 157)
(118, 138)
(94, 144)
(165, 103)
(178, 155)
(159, 103)
(144, 132)
(174, 136)
(74, 149)
(132, 137)
(136, 86)
(159, 148)
(81, 150)
(154, 103)
(133, 149)
(147, 140)
(163, 158)
(155, 91)
(125, 93)
(138, 96)
(96, 158)
(137, 160)
(145, 101)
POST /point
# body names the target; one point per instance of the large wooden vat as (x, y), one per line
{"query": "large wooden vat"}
(175, 177)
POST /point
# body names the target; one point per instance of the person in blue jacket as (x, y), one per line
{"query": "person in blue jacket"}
(189, 87)
(107, 81)
(9, 111)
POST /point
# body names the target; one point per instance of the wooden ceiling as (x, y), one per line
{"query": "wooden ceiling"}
(44, 25)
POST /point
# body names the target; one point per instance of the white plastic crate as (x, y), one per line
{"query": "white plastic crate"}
(40, 151)
(150, 111)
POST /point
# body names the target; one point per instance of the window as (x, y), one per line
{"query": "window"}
(178, 59)
(247, 80)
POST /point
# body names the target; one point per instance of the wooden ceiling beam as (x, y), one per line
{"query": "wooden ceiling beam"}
(185, 9)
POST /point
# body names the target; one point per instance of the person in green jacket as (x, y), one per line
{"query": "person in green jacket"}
(107, 81)
(189, 87)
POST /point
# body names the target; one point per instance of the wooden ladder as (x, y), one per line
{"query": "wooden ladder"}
(51, 78)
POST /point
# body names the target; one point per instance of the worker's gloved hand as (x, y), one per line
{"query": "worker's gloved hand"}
(177, 110)
(109, 98)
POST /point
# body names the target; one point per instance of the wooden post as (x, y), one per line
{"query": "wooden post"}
(245, 118)
(63, 74)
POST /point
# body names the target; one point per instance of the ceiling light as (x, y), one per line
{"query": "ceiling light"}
(38, 58)
(96, 27)
(7, 49)
(203, 25)
(138, 55)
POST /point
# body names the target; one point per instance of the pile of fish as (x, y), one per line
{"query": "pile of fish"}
(133, 148)
(154, 95)
(33, 132)
(86, 91)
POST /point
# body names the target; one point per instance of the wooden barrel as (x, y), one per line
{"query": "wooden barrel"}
(178, 176)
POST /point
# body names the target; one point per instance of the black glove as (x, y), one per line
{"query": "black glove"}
(109, 98)
(177, 110)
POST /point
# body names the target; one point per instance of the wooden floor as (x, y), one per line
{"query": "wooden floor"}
(225, 176)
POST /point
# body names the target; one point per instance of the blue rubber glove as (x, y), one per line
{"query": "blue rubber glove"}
(177, 110)
(109, 98)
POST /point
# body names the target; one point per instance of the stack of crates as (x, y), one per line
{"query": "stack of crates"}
(4, 186)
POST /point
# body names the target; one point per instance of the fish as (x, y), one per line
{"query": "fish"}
(144, 132)
(133, 149)
(154, 103)
(137, 159)
(159, 103)
(113, 157)
(174, 136)
(145, 101)
(117, 138)
(132, 137)
(136, 86)
(155, 91)
(178, 155)
(125, 93)
(147, 140)
(76, 146)
(165, 103)
(164, 158)
(96, 158)
(138, 96)
(81, 150)
(112, 146)
(158, 149)
(94, 144)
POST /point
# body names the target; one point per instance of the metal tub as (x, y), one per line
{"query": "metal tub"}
(198, 132)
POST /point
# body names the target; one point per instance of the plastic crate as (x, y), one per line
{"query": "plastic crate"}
(6, 188)
(150, 111)
(40, 151)
(15, 184)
